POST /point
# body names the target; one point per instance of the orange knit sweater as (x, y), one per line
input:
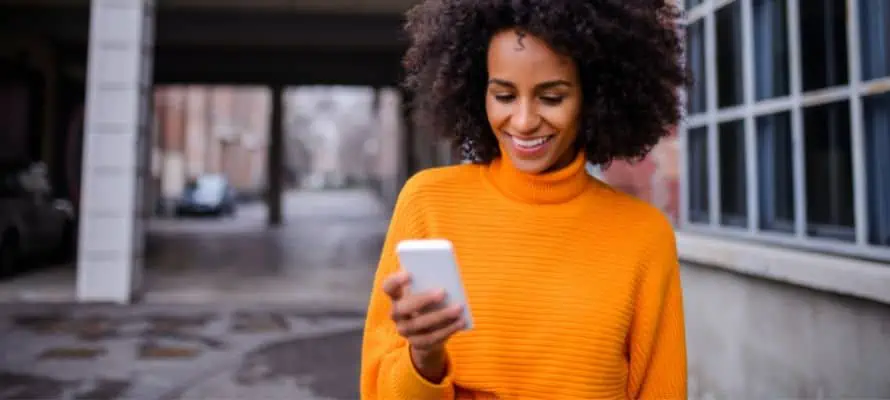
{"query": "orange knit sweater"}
(574, 289)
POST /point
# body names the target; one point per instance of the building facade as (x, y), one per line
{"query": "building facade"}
(779, 184)
(209, 130)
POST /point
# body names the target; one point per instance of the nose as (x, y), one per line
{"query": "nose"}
(525, 120)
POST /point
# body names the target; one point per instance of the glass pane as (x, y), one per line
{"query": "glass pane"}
(695, 60)
(733, 180)
(729, 55)
(775, 172)
(770, 49)
(823, 37)
(877, 165)
(699, 205)
(874, 17)
(829, 171)
(693, 3)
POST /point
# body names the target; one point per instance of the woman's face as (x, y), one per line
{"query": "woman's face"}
(533, 102)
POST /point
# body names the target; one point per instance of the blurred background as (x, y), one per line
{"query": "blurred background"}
(193, 195)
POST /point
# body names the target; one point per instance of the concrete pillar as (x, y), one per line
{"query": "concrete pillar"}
(275, 158)
(109, 265)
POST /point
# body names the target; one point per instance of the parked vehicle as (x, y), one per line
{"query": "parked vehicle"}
(210, 194)
(34, 226)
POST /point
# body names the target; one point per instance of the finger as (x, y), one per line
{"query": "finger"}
(429, 322)
(394, 285)
(420, 303)
(437, 338)
(411, 305)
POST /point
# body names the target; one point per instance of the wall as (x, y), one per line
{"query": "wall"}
(337, 125)
(219, 129)
(753, 338)
(750, 338)
(389, 168)
(13, 121)
(654, 179)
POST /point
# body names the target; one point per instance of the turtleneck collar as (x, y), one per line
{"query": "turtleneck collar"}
(548, 188)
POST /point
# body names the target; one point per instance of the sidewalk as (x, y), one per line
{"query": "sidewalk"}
(233, 310)
(163, 352)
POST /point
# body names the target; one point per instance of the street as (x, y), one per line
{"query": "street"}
(325, 253)
(232, 310)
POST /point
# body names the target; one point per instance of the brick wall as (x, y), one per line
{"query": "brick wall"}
(655, 179)
(219, 129)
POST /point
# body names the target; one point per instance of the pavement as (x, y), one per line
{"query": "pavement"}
(232, 310)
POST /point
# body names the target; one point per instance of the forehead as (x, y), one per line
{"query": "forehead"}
(523, 55)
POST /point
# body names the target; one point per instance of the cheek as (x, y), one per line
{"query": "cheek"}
(565, 121)
(497, 113)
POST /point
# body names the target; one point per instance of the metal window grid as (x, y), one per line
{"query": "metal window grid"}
(794, 103)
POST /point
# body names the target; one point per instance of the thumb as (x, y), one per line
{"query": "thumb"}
(394, 285)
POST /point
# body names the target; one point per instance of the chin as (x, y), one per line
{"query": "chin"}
(535, 166)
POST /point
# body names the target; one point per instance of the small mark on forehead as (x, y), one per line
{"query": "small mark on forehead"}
(519, 36)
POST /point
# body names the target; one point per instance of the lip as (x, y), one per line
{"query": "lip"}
(530, 152)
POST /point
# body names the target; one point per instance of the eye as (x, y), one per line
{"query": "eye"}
(504, 98)
(552, 100)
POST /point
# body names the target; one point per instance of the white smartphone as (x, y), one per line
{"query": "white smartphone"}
(433, 265)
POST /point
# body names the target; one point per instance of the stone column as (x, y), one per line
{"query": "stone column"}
(109, 265)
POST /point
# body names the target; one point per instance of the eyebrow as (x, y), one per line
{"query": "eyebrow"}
(543, 85)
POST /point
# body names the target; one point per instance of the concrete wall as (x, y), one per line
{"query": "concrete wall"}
(750, 338)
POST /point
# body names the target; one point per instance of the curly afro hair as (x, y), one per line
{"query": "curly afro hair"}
(628, 54)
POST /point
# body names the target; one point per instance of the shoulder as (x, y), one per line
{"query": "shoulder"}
(651, 232)
(644, 231)
(430, 188)
(639, 219)
(440, 181)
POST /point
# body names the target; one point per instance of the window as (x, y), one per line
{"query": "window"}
(733, 180)
(823, 33)
(877, 156)
(795, 148)
(699, 199)
(770, 49)
(829, 170)
(775, 172)
(875, 37)
(729, 55)
(695, 61)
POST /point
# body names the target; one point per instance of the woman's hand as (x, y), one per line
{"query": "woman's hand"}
(423, 321)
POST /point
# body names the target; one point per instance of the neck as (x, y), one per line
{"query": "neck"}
(551, 187)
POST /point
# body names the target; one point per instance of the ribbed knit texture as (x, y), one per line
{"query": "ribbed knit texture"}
(574, 289)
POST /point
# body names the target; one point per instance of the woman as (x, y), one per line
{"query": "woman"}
(573, 286)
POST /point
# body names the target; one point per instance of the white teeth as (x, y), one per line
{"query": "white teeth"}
(529, 143)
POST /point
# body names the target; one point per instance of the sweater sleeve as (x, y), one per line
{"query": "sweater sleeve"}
(387, 372)
(657, 342)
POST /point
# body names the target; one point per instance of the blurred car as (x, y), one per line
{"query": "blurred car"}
(208, 195)
(34, 226)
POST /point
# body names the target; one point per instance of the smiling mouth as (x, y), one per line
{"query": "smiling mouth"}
(530, 143)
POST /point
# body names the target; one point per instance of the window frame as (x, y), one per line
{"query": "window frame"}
(794, 103)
